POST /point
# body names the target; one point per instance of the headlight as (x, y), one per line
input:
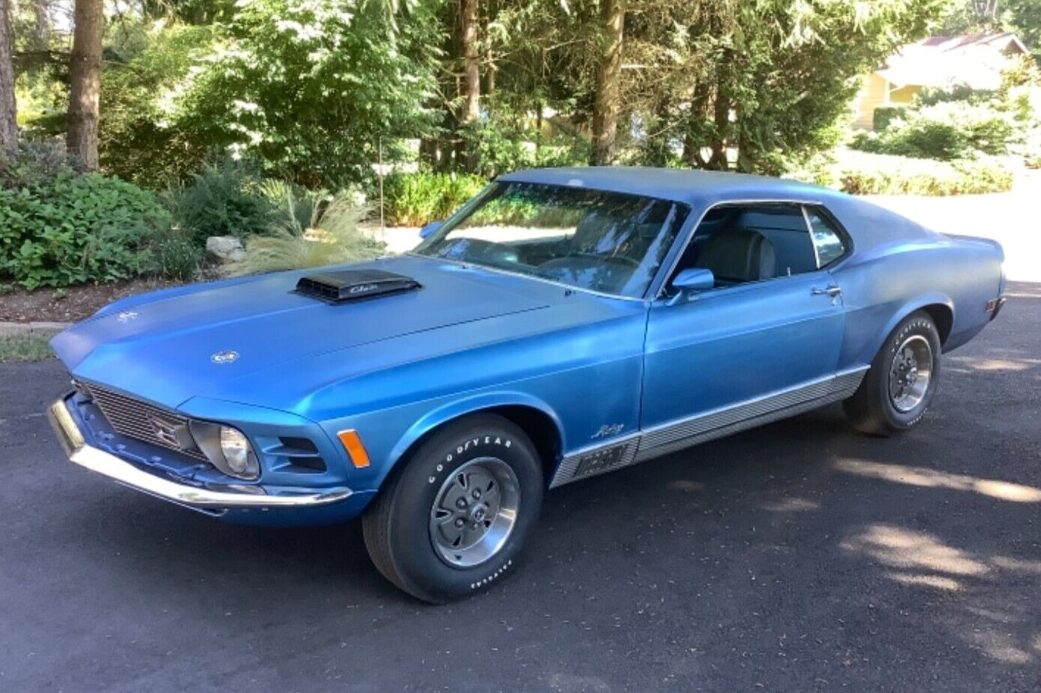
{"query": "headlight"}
(238, 455)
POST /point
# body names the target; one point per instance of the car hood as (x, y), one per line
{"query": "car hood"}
(197, 341)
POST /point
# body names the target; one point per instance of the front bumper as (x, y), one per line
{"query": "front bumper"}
(80, 452)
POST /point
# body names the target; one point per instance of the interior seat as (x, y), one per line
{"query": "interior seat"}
(738, 255)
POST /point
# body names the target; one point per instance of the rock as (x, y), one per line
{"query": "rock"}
(227, 248)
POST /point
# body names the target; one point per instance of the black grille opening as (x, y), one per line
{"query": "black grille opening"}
(353, 285)
(311, 464)
(302, 455)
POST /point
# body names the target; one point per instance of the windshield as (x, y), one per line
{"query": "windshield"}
(589, 239)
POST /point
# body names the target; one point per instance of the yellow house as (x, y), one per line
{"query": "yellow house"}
(976, 61)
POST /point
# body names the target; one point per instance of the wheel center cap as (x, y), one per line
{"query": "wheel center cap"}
(478, 513)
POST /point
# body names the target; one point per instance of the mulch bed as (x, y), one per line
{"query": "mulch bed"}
(69, 305)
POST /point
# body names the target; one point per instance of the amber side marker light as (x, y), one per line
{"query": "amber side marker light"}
(355, 450)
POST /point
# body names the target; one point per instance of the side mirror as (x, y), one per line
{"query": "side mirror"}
(430, 229)
(694, 279)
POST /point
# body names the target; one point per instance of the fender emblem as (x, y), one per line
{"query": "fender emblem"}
(126, 316)
(224, 357)
(608, 430)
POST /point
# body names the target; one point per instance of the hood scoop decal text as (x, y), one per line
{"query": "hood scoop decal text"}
(353, 285)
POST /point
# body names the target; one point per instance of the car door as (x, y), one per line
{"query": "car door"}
(740, 352)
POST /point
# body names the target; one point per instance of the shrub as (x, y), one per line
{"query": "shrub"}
(75, 228)
(884, 115)
(870, 174)
(175, 255)
(311, 88)
(945, 131)
(225, 198)
(310, 230)
(415, 199)
(36, 162)
(139, 138)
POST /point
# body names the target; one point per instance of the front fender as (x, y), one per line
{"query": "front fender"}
(456, 409)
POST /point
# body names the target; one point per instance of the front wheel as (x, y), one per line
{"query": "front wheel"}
(453, 519)
(900, 385)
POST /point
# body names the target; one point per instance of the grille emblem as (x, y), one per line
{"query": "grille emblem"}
(223, 357)
(166, 431)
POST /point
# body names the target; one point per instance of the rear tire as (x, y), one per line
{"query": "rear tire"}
(455, 515)
(897, 390)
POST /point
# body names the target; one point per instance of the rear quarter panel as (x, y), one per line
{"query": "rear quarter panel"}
(898, 267)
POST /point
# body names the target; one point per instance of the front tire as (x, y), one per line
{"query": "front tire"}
(897, 390)
(455, 516)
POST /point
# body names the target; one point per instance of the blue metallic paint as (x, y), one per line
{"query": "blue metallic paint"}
(397, 367)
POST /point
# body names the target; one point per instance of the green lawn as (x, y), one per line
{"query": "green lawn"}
(25, 347)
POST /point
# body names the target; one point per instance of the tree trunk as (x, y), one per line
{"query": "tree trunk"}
(41, 23)
(8, 124)
(471, 71)
(489, 77)
(608, 75)
(85, 79)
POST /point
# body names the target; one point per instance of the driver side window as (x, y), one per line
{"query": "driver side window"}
(744, 243)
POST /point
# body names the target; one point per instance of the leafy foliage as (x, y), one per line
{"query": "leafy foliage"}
(860, 173)
(767, 80)
(415, 199)
(959, 123)
(139, 137)
(73, 228)
(225, 198)
(309, 87)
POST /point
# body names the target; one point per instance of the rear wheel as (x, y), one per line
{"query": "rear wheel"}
(453, 519)
(897, 390)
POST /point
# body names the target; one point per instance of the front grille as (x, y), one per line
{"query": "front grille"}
(136, 419)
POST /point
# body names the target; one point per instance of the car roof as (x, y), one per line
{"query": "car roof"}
(697, 188)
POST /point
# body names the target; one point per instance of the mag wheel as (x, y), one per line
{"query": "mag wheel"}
(474, 512)
(454, 515)
(898, 388)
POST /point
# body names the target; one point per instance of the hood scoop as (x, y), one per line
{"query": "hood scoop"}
(353, 285)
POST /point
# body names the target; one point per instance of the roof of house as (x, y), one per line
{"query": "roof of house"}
(974, 60)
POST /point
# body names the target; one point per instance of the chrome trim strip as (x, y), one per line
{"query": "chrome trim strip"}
(694, 230)
(121, 471)
(813, 241)
(751, 414)
(724, 416)
(681, 433)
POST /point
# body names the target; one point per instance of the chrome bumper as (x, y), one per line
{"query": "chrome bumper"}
(107, 464)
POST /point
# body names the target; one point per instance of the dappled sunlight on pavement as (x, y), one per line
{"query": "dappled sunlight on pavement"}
(898, 547)
(925, 561)
(922, 476)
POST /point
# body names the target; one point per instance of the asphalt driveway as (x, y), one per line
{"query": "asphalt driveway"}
(797, 557)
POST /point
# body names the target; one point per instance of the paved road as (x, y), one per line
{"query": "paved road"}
(799, 557)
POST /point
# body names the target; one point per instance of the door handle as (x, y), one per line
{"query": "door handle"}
(831, 290)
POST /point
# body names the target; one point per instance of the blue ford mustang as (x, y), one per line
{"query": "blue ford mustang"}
(562, 324)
